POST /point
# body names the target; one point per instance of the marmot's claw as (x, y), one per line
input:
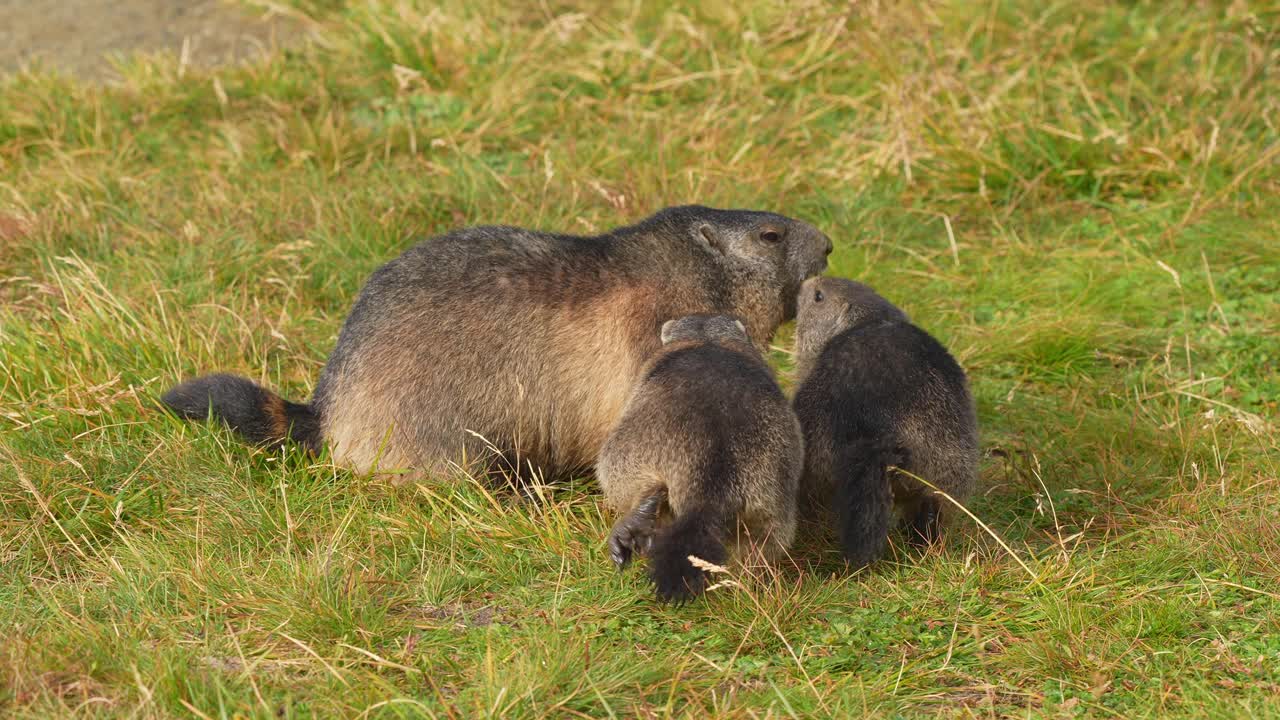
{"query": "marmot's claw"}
(633, 532)
(618, 552)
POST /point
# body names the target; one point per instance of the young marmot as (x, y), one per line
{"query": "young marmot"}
(877, 391)
(526, 342)
(707, 445)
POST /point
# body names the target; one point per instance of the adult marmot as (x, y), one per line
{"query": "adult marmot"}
(521, 341)
(877, 391)
(707, 445)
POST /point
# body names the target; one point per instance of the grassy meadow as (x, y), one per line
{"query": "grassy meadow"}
(1082, 200)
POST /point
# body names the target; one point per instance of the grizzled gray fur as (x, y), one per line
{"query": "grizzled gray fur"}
(876, 391)
(707, 447)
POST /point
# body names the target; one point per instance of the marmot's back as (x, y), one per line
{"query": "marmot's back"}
(699, 412)
(891, 377)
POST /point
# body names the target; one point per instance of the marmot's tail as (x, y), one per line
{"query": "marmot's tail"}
(864, 500)
(258, 414)
(698, 532)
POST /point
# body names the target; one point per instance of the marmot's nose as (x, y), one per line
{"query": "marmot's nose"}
(830, 245)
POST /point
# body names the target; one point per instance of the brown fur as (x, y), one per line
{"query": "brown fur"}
(571, 343)
(273, 408)
(612, 334)
(522, 344)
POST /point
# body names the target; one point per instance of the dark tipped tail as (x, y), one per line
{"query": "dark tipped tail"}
(864, 500)
(699, 532)
(258, 414)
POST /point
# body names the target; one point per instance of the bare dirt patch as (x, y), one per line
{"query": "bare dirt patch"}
(81, 36)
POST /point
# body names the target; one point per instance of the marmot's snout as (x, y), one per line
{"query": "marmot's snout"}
(810, 247)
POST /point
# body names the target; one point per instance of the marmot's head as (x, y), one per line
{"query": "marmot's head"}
(828, 306)
(780, 251)
(705, 328)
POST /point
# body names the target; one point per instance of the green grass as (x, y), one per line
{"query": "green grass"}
(1081, 199)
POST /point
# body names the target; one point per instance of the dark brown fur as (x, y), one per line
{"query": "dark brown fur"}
(876, 391)
(707, 445)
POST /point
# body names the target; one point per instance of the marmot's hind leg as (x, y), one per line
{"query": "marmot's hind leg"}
(921, 523)
(768, 534)
(633, 532)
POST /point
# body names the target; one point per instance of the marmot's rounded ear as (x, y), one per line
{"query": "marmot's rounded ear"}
(711, 237)
(665, 334)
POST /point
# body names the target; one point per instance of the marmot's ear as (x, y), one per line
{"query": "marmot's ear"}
(711, 236)
(665, 334)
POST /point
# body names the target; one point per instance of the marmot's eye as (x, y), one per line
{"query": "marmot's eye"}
(771, 236)
(817, 296)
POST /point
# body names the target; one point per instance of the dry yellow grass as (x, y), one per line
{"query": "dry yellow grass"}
(1080, 199)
